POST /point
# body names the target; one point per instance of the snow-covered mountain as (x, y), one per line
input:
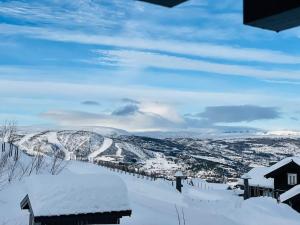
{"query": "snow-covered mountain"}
(210, 158)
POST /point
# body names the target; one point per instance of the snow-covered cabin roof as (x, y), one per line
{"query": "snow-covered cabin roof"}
(290, 193)
(282, 163)
(257, 178)
(70, 194)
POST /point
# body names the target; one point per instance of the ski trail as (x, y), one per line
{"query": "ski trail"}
(52, 138)
(119, 151)
(106, 144)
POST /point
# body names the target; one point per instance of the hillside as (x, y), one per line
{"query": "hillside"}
(212, 159)
(209, 203)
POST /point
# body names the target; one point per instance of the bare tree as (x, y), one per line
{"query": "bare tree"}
(57, 164)
(8, 131)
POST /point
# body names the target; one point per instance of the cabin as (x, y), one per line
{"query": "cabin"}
(286, 174)
(75, 199)
(281, 181)
(257, 185)
(292, 198)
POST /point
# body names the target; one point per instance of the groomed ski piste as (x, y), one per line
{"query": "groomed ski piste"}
(157, 202)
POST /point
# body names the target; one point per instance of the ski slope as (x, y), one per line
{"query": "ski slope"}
(52, 138)
(106, 144)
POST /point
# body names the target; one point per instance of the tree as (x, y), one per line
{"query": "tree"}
(57, 163)
(8, 131)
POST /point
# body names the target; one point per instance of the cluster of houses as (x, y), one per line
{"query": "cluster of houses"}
(281, 181)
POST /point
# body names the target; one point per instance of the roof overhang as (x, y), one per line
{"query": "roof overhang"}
(165, 3)
(275, 168)
(275, 15)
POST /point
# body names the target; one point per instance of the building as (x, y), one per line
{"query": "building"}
(275, 15)
(76, 199)
(281, 181)
(292, 198)
(258, 185)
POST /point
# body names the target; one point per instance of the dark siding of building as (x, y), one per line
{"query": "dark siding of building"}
(281, 177)
(294, 202)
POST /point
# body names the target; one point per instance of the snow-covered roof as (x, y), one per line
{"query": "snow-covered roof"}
(257, 178)
(179, 174)
(290, 193)
(70, 194)
(283, 163)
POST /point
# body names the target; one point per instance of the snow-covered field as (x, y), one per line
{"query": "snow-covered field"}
(155, 202)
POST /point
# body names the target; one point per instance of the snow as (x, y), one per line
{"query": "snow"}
(160, 164)
(106, 144)
(52, 138)
(179, 174)
(119, 151)
(290, 193)
(256, 178)
(283, 163)
(76, 194)
(153, 202)
(209, 158)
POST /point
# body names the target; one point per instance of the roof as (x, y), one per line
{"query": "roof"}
(257, 178)
(70, 194)
(290, 193)
(166, 3)
(179, 174)
(282, 163)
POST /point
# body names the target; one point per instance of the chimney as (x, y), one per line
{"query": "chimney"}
(246, 179)
(179, 176)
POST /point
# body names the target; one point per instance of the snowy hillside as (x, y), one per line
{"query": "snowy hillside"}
(212, 159)
(207, 204)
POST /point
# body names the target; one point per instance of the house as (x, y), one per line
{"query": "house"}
(281, 181)
(258, 185)
(286, 175)
(76, 199)
(292, 198)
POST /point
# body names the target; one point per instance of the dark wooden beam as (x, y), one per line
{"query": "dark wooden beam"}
(166, 3)
(88, 218)
(275, 15)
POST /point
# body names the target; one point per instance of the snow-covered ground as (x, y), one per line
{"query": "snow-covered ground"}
(106, 144)
(155, 202)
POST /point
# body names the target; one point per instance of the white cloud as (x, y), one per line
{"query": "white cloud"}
(198, 49)
(71, 91)
(148, 59)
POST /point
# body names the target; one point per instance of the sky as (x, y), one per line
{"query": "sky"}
(141, 67)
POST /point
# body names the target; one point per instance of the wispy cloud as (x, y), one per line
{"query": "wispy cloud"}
(127, 58)
(198, 49)
(240, 113)
(90, 103)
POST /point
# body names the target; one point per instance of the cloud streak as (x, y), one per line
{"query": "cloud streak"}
(170, 46)
(241, 113)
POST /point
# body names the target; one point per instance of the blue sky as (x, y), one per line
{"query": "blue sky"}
(136, 66)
